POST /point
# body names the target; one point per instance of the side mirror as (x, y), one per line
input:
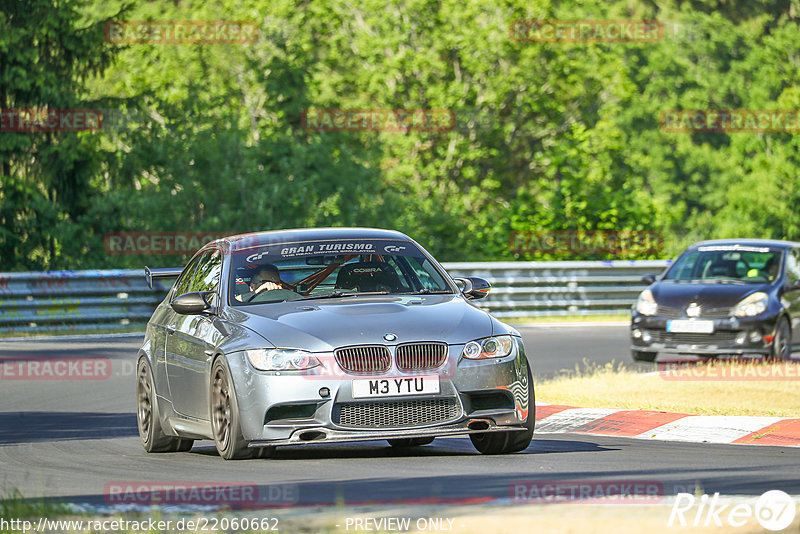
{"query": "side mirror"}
(474, 288)
(191, 303)
(649, 279)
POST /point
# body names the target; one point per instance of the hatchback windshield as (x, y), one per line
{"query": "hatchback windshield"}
(728, 263)
(330, 269)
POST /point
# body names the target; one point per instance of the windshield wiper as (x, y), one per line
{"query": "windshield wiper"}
(426, 291)
(332, 295)
(340, 294)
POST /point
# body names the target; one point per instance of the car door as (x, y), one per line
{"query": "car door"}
(791, 294)
(191, 340)
(165, 326)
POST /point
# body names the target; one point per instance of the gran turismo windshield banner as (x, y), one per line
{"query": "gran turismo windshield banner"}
(300, 249)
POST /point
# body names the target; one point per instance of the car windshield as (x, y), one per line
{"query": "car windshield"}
(727, 264)
(331, 269)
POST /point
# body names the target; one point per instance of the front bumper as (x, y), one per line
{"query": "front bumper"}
(731, 336)
(480, 396)
(318, 434)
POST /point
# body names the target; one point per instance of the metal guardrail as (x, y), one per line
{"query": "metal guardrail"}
(554, 288)
(107, 299)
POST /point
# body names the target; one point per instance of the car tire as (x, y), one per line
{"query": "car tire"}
(643, 356)
(781, 348)
(410, 442)
(513, 440)
(148, 418)
(224, 412)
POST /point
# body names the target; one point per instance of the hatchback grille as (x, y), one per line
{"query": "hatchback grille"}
(420, 356)
(715, 313)
(666, 311)
(706, 313)
(396, 414)
(364, 359)
(724, 337)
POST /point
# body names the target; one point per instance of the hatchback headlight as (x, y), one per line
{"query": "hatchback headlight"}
(281, 359)
(751, 305)
(490, 347)
(646, 304)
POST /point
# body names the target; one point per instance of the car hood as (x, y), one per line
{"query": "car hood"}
(324, 324)
(681, 294)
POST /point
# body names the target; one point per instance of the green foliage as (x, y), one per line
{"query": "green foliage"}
(548, 136)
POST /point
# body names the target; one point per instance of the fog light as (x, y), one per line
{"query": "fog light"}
(755, 336)
(740, 337)
(646, 337)
(324, 392)
(637, 334)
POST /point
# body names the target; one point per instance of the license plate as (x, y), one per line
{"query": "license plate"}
(396, 386)
(690, 327)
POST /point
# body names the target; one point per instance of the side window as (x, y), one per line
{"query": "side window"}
(182, 284)
(209, 270)
(793, 266)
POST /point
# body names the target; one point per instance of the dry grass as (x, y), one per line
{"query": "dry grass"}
(720, 388)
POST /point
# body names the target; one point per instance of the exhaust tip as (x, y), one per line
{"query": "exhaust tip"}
(478, 424)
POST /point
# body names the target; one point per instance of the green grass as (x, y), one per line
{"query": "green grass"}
(15, 505)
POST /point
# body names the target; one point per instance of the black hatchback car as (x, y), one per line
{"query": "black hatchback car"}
(736, 297)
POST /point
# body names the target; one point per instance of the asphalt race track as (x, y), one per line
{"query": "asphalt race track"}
(75, 439)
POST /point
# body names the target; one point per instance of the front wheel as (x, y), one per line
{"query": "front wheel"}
(148, 419)
(513, 440)
(782, 344)
(228, 438)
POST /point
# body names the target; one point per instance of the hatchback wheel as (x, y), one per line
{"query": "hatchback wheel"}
(782, 344)
(643, 356)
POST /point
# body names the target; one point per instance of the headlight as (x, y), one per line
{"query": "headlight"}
(751, 305)
(490, 347)
(646, 304)
(281, 359)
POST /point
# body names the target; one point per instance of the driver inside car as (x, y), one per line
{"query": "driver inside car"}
(266, 278)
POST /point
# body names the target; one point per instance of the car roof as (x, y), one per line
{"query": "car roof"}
(774, 243)
(256, 239)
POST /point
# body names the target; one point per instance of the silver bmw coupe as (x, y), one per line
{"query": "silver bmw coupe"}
(327, 335)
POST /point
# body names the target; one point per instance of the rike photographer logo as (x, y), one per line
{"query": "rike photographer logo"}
(774, 510)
